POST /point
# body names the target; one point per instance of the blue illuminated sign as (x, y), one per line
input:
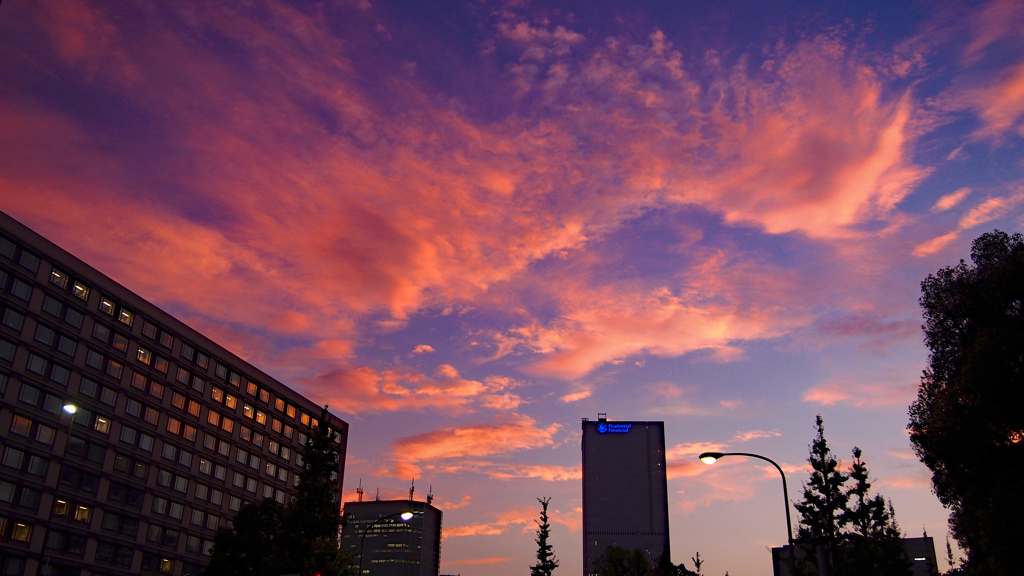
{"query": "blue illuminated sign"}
(605, 427)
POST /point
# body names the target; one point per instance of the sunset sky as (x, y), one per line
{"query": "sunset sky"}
(466, 225)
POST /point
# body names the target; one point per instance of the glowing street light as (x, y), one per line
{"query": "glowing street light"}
(712, 457)
(70, 408)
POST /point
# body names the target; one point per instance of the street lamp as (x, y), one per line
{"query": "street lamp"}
(44, 557)
(711, 457)
(403, 516)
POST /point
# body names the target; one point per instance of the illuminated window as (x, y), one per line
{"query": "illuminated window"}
(230, 401)
(21, 532)
(144, 356)
(80, 291)
(248, 411)
(102, 425)
(261, 417)
(279, 404)
(58, 278)
(125, 317)
(83, 513)
(216, 394)
(106, 306)
(213, 418)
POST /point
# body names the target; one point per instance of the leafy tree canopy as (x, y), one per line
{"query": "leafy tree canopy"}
(967, 425)
(268, 539)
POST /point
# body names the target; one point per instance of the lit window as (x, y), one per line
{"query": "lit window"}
(216, 394)
(213, 418)
(230, 401)
(59, 278)
(193, 408)
(125, 317)
(80, 291)
(261, 417)
(279, 404)
(251, 388)
(291, 411)
(271, 469)
(205, 466)
(144, 356)
(21, 532)
(106, 306)
(248, 411)
(304, 419)
(102, 425)
(83, 513)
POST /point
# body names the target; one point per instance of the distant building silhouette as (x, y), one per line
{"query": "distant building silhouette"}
(393, 547)
(625, 491)
(919, 551)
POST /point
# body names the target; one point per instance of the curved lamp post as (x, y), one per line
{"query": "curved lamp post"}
(404, 516)
(44, 557)
(711, 457)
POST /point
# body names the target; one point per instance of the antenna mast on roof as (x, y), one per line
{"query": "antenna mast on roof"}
(359, 491)
(412, 489)
(378, 495)
(430, 494)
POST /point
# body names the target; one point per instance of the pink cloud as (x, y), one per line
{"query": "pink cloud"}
(950, 200)
(860, 394)
(517, 433)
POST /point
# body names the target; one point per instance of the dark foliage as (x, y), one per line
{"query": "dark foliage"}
(967, 425)
(617, 561)
(546, 561)
(845, 528)
(302, 538)
(821, 511)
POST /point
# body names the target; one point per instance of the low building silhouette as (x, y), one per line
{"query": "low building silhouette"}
(920, 552)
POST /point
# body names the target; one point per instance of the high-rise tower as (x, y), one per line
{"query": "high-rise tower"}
(625, 493)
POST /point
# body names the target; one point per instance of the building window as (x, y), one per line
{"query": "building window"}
(21, 426)
(59, 278)
(120, 342)
(166, 340)
(149, 329)
(80, 291)
(106, 306)
(21, 290)
(102, 425)
(21, 532)
(52, 306)
(29, 261)
(144, 356)
(161, 364)
(13, 320)
(125, 317)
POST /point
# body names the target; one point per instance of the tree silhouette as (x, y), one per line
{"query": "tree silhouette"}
(966, 424)
(268, 539)
(546, 561)
(873, 544)
(821, 511)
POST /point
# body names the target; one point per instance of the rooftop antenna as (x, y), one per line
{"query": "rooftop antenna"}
(378, 495)
(412, 489)
(602, 416)
(359, 491)
(430, 494)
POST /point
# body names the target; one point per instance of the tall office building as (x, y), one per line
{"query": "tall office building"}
(625, 492)
(171, 435)
(392, 547)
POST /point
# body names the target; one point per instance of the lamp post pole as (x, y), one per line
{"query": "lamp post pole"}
(44, 557)
(405, 516)
(711, 457)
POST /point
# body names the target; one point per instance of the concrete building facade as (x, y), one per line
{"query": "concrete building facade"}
(171, 436)
(625, 490)
(392, 547)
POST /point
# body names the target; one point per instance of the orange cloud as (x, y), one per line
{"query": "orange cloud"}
(755, 434)
(421, 349)
(514, 434)
(987, 211)
(575, 396)
(950, 200)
